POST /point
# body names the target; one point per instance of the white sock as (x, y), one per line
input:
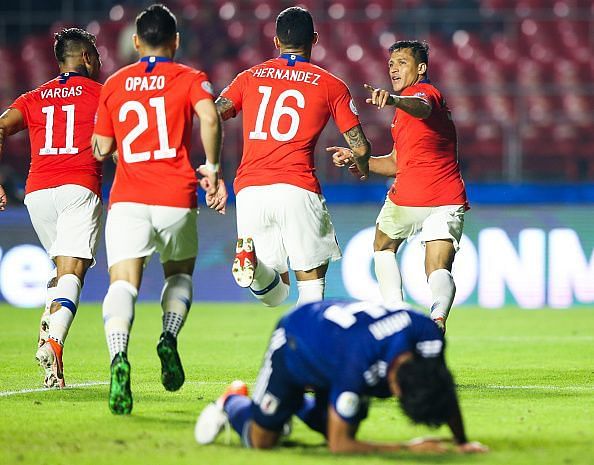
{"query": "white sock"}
(268, 287)
(176, 300)
(388, 276)
(443, 290)
(50, 294)
(49, 298)
(311, 290)
(118, 315)
(67, 293)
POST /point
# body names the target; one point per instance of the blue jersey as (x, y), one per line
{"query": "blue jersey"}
(344, 348)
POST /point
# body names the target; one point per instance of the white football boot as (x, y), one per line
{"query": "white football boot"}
(245, 262)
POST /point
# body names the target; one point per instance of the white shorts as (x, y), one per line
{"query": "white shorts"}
(135, 230)
(286, 221)
(434, 223)
(66, 219)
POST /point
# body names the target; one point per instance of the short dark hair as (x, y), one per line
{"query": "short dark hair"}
(156, 25)
(418, 49)
(428, 394)
(71, 39)
(294, 27)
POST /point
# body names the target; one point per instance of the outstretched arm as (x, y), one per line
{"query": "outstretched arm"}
(384, 165)
(341, 440)
(413, 105)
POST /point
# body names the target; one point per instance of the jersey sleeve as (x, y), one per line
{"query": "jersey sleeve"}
(200, 88)
(20, 104)
(234, 91)
(103, 122)
(342, 107)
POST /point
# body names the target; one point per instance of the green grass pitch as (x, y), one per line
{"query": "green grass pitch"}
(526, 383)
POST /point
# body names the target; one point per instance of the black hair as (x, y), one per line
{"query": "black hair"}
(419, 50)
(428, 394)
(69, 40)
(156, 25)
(294, 27)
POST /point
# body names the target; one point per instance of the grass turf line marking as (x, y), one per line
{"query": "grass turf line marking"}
(98, 383)
(69, 386)
(528, 387)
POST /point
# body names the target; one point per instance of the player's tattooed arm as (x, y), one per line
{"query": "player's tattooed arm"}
(225, 108)
(360, 149)
(102, 146)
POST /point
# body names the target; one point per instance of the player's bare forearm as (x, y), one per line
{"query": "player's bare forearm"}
(413, 105)
(212, 136)
(102, 146)
(358, 143)
(341, 440)
(384, 165)
(457, 426)
(3, 198)
(11, 122)
(360, 148)
(211, 131)
(225, 108)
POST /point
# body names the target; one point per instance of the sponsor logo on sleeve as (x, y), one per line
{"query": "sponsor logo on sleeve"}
(353, 107)
(207, 87)
(347, 404)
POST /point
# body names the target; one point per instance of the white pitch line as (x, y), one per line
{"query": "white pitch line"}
(69, 386)
(537, 387)
(534, 387)
(99, 383)
(527, 339)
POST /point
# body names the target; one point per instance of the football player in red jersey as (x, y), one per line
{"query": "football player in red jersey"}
(64, 183)
(428, 195)
(281, 213)
(145, 111)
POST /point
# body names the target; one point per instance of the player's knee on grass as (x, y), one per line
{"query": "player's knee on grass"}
(261, 438)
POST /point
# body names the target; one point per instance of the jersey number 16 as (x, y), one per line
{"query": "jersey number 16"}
(279, 110)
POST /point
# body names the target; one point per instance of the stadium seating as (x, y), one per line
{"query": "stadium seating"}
(518, 76)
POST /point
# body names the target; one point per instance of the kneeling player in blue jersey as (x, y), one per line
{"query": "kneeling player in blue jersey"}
(344, 353)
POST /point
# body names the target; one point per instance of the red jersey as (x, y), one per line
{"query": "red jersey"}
(60, 116)
(427, 173)
(286, 103)
(148, 108)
